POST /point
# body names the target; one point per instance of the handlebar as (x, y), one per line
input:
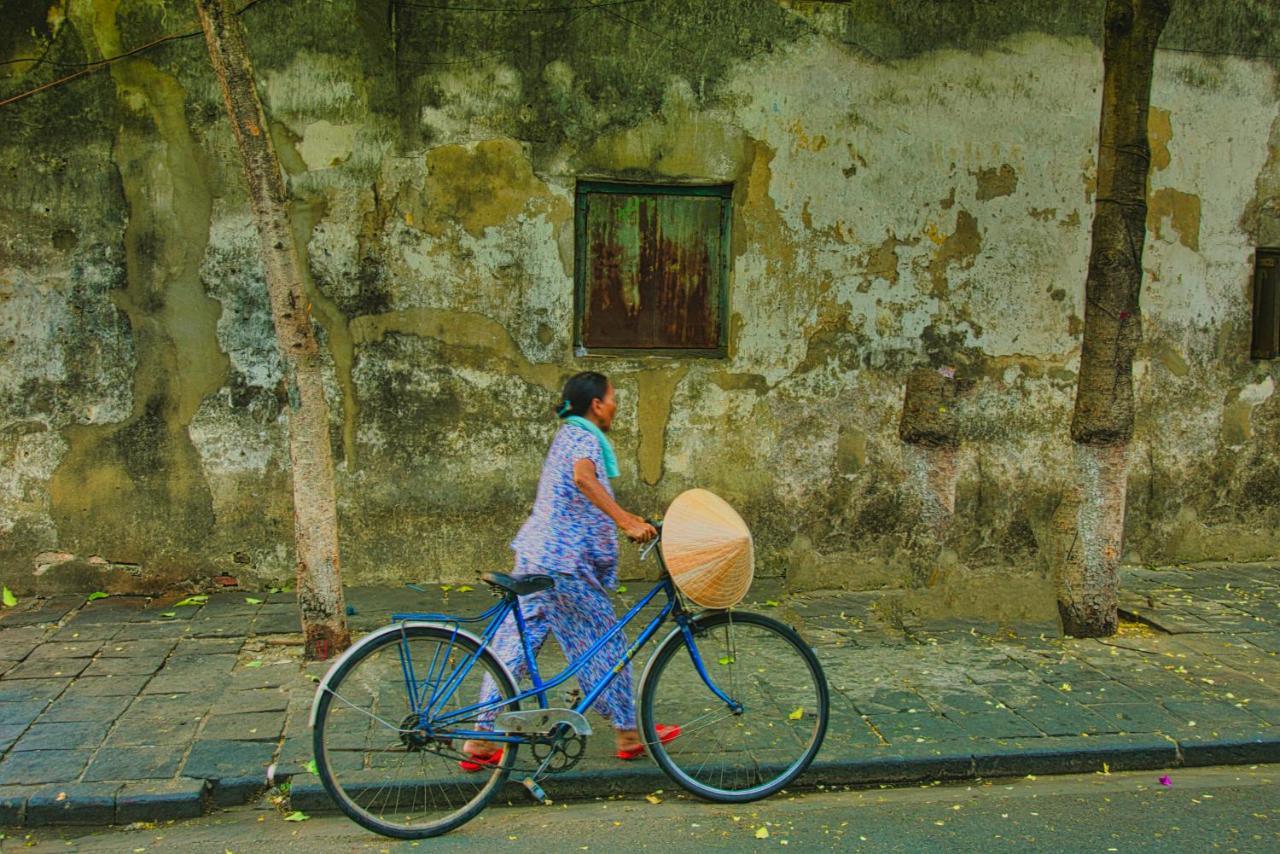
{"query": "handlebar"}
(652, 544)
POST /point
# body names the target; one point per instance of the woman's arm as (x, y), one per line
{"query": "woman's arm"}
(584, 477)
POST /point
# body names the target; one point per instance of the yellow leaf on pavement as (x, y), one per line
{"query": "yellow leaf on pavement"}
(797, 714)
(762, 833)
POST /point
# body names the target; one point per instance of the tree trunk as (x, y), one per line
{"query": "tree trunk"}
(1103, 420)
(315, 517)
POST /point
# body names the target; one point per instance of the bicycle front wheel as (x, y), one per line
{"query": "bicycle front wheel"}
(379, 764)
(761, 741)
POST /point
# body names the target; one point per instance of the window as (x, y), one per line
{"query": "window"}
(1266, 304)
(651, 271)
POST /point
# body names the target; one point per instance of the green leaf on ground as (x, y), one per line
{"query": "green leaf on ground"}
(95, 595)
(797, 714)
(257, 662)
(622, 588)
(313, 677)
(726, 659)
(273, 589)
(311, 766)
(192, 600)
(9, 599)
(297, 815)
(466, 588)
(445, 588)
(771, 603)
(249, 600)
(169, 614)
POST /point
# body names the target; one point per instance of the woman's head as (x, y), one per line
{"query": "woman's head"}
(589, 394)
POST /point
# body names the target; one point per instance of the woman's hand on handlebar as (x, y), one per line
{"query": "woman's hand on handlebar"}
(637, 529)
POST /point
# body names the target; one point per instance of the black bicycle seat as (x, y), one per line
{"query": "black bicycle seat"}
(521, 586)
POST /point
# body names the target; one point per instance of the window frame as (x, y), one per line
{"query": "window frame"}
(582, 189)
(1272, 255)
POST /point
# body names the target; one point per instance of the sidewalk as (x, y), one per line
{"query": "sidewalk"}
(124, 710)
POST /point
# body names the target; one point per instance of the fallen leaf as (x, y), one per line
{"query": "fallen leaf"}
(797, 714)
(622, 588)
(1106, 768)
(257, 662)
(771, 603)
(725, 659)
(168, 613)
(192, 600)
(249, 600)
(9, 599)
(297, 815)
(1165, 781)
(95, 595)
(466, 588)
(762, 833)
(311, 766)
(653, 799)
(445, 588)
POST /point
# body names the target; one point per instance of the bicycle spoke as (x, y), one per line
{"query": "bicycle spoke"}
(775, 727)
(369, 732)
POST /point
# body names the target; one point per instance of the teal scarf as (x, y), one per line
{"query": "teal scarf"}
(606, 449)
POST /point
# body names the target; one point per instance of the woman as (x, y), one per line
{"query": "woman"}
(570, 535)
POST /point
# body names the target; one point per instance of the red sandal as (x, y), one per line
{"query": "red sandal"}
(480, 761)
(665, 734)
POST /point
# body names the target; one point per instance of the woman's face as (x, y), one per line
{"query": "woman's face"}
(603, 408)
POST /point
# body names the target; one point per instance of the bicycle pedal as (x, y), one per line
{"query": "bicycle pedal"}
(535, 791)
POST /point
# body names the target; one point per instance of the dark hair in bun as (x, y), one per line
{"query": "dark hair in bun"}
(579, 391)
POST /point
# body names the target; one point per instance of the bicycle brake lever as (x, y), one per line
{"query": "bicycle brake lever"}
(644, 552)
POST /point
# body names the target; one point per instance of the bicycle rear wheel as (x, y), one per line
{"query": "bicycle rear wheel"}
(383, 770)
(722, 753)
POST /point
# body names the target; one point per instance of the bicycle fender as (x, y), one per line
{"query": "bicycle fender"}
(372, 637)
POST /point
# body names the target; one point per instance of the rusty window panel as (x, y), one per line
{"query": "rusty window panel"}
(652, 267)
(1266, 304)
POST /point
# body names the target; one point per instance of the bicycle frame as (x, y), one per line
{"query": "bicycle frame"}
(424, 704)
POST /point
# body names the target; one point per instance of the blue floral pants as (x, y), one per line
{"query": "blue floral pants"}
(578, 613)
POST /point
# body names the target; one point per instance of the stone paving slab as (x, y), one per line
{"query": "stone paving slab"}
(126, 711)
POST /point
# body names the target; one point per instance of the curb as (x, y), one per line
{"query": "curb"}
(103, 803)
(163, 800)
(1012, 758)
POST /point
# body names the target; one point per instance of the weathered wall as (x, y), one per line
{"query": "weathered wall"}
(912, 189)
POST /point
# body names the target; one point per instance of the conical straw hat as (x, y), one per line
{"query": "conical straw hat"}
(708, 549)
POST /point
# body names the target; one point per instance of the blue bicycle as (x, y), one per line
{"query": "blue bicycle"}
(391, 715)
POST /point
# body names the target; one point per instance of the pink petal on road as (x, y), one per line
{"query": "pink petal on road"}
(1165, 781)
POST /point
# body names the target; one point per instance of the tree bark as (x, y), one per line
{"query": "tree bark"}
(1103, 419)
(315, 517)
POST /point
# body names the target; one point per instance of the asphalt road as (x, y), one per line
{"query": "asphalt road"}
(1227, 809)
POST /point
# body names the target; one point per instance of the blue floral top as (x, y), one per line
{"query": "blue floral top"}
(566, 533)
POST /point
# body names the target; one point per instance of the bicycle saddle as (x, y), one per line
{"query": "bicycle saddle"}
(521, 586)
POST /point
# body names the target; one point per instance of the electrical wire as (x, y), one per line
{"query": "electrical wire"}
(89, 67)
(1219, 52)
